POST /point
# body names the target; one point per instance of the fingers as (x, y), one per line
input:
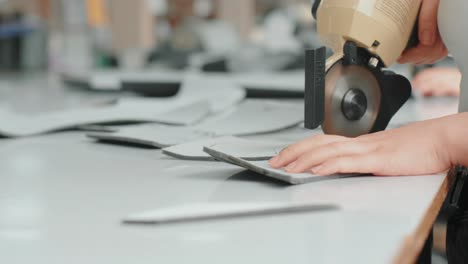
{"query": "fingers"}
(425, 54)
(360, 164)
(292, 152)
(428, 29)
(431, 47)
(315, 157)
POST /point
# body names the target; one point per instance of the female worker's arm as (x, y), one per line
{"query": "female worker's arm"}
(419, 149)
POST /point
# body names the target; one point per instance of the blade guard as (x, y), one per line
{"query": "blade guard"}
(315, 87)
(395, 89)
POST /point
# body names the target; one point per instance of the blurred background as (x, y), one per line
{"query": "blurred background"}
(211, 35)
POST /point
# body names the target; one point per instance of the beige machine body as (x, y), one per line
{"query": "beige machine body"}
(383, 27)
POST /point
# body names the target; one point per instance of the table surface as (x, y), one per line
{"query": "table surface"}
(63, 196)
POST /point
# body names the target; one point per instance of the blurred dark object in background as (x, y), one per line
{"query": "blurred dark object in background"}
(23, 37)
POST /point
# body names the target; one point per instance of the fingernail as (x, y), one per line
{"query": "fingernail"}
(427, 37)
(291, 167)
(275, 160)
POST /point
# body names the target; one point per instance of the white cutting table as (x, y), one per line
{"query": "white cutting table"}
(62, 199)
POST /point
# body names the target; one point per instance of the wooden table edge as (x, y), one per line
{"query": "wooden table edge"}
(414, 243)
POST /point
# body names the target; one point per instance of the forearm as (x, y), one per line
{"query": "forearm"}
(456, 135)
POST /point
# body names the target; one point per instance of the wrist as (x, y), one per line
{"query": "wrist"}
(455, 139)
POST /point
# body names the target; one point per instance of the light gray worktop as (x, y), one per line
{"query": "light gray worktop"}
(63, 196)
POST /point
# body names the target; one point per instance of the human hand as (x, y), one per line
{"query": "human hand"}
(438, 82)
(419, 149)
(431, 47)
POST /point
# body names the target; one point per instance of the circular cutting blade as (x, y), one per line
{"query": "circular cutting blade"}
(341, 81)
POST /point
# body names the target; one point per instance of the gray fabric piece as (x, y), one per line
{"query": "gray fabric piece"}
(221, 94)
(152, 135)
(263, 168)
(197, 99)
(205, 212)
(255, 117)
(186, 115)
(16, 125)
(246, 149)
(249, 118)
